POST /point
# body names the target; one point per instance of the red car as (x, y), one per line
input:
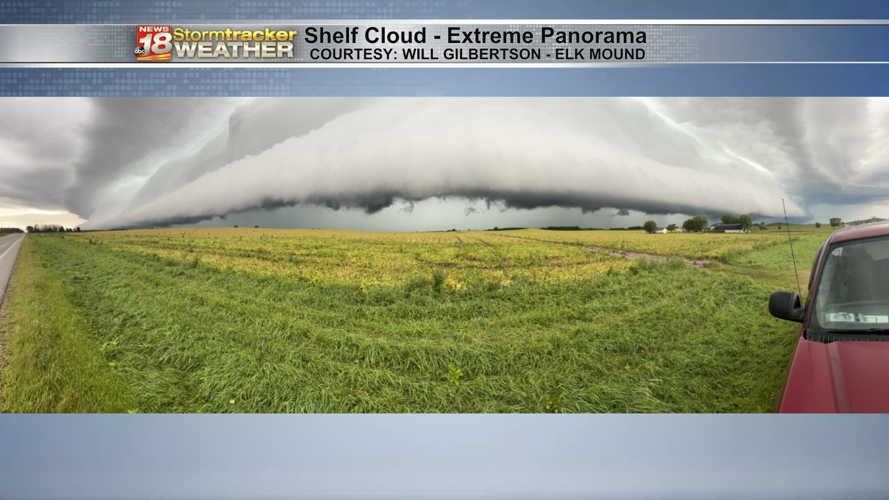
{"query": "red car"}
(841, 363)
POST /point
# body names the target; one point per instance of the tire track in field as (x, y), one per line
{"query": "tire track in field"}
(696, 263)
(504, 262)
(121, 263)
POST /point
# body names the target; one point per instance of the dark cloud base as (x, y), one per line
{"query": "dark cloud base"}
(374, 203)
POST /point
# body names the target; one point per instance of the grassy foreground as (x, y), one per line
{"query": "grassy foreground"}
(164, 321)
(53, 361)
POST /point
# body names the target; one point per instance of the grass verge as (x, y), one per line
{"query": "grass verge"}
(3, 340)
(53, 363)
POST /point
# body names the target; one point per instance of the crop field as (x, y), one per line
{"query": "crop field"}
(695, 246)
(365, 259)
(262, 320)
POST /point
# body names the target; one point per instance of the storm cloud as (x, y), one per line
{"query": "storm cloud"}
(136, 162)
(39, 138)
(130, 136)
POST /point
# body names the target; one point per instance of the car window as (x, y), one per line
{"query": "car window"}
(853, 292)
(815, 264)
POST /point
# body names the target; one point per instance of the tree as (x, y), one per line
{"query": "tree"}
(835, 221)
(762, 226)
(695, 224)
(731, 219)
(746, 222)
(30, 229)
(47, 228)
(671, 227)
(818, 225)
(649, 226)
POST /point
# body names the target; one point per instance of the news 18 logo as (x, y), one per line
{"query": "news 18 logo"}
(153, 43)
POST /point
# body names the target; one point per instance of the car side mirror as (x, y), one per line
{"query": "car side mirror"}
(786, 305)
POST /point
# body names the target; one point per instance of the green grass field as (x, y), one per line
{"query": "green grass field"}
(251, 320)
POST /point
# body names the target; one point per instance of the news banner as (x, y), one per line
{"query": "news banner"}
(492, 43)
(427, 42)
(383, 43)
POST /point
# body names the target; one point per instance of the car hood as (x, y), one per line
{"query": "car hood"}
(839, 377)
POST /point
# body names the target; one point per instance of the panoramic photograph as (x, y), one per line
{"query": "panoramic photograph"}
(443, 255)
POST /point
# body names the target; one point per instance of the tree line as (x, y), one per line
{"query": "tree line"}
(51, 228)
(700, 223)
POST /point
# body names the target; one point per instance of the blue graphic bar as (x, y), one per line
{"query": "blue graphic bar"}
(667, 80)
(443, 456)
(88, 12)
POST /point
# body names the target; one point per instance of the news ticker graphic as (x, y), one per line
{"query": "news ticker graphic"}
(157, 43)
(154, 43)
(163, 43)
(341, 43)
(446, 42)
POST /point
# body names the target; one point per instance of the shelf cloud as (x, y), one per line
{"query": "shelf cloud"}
(138, 162)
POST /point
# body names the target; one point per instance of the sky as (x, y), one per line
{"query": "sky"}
(433, 163)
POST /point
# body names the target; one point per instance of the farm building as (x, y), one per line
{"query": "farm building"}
(727, 228)
(660, 230)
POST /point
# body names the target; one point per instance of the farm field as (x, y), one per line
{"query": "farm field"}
(262, 320)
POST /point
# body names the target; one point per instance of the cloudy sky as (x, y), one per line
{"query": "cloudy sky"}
(406, 164)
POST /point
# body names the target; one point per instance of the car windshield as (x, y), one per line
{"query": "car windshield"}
(853, 292)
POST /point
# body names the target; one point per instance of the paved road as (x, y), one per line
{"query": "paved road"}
(9, 248)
